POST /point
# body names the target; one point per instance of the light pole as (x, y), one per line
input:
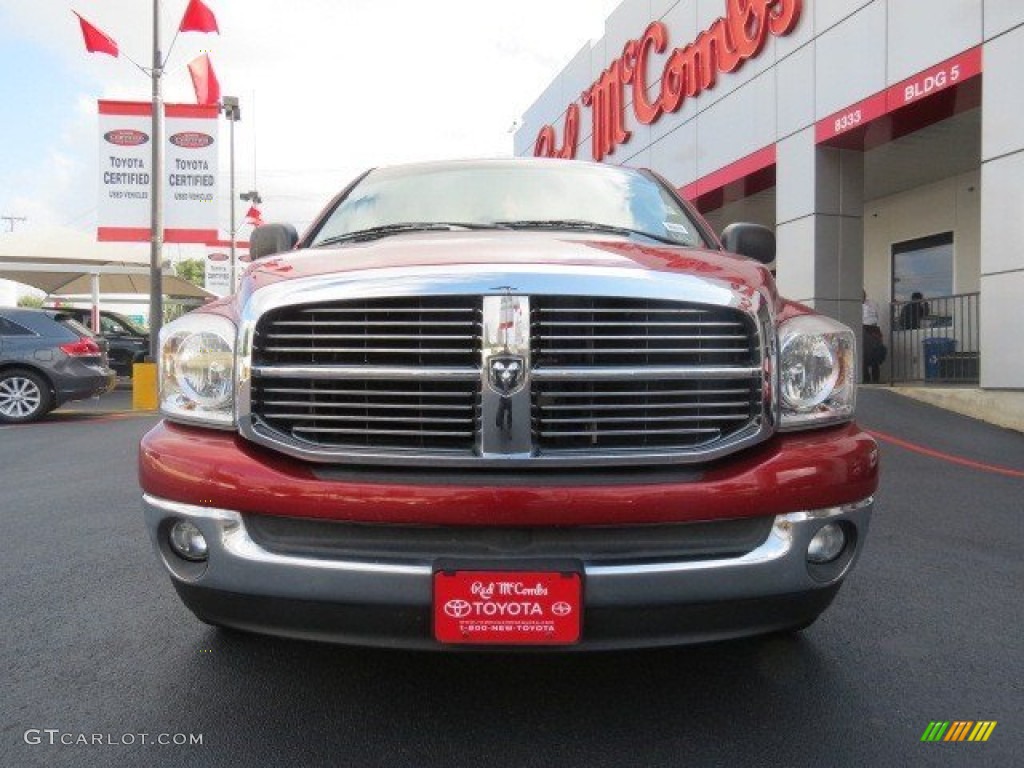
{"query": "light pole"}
(156, 196)
(229, 104)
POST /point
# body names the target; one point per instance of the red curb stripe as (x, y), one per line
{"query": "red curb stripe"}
(945, 456)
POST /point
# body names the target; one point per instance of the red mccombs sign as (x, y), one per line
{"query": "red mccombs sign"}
(686, 73)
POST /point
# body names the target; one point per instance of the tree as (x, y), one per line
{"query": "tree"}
(193, 270)
(30, 301)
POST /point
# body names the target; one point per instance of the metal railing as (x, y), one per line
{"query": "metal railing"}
(934, 340)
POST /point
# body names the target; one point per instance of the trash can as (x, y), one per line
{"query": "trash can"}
(935, 349)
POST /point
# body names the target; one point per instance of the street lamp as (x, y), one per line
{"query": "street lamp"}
(229, 105)
(156, 195)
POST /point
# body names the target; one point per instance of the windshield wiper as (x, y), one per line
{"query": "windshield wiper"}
(587, 226)
(391, 229)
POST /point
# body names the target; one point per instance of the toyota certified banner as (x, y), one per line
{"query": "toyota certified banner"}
(217, 273)
(189, 179)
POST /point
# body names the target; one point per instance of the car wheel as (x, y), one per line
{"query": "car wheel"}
(24, 396)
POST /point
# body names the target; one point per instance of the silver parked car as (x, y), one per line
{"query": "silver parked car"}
(46, 359)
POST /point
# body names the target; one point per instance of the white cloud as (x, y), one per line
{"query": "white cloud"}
(328, 88)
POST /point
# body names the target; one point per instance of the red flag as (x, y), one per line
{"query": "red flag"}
(96, 41)
(198, 18)
(204, 80)
(254, 217)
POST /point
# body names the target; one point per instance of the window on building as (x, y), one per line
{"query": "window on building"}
(924, 266)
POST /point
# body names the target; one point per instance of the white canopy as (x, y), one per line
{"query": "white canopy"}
(63, 262)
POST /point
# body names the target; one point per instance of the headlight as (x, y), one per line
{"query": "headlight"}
(817, 374)
(197, 364)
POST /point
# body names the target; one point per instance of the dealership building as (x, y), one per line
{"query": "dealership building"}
(882, 141)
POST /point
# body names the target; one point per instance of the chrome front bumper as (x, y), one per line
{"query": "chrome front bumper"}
(253, 584)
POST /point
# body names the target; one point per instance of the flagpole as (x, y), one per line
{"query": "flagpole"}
(156, 218)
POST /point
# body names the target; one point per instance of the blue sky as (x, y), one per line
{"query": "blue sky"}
(36, 89)
(328, 88)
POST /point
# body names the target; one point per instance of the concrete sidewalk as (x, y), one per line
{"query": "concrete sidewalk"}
(1003, 408)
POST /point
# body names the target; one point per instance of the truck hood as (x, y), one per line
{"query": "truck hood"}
(451, 250)
(445, 258)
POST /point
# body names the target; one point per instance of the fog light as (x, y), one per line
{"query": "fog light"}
(827, 544)
(188, 541)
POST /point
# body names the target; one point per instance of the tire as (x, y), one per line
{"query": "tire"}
(24, 396)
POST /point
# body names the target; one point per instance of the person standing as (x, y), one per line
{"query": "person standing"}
(873, 351)
(914, 312)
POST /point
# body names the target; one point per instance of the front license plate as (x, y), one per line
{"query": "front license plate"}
(507, 607)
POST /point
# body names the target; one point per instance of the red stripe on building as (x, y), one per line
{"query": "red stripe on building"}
(852, 118)
(949, 73)
(756, 171)
(855, 126)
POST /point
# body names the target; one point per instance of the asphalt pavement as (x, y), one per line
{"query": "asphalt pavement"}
(928, 627)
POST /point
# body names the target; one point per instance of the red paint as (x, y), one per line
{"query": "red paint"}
(686, 72)
(507, 607)
(852, 118)
(547, 143)
(145, 109)
(790, 472)
(208, 111)
(142, 235)
(454, 250)
(947, 457)
(608, 106)
(133, 108)
(746, 166)
(191, 140)
(920, 100)
(125, 137)
(737, 273)
(958, 69)
(216, 243)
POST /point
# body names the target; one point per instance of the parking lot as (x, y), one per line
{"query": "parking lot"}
(928, 627)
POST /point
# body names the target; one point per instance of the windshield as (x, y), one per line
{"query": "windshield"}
(75, 326)
(120, 324)
(515, 194)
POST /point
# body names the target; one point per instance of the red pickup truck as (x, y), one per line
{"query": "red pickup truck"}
(508, 403)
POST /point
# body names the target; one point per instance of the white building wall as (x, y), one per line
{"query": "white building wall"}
(842, 51)
(952, 205)
(1002, 209)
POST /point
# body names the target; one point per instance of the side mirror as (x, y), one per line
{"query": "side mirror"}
(750, 240)
(272, 238)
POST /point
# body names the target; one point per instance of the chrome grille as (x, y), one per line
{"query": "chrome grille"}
(335, 376)
(609, 380)
(599, 331)
(370, 414)
(434, 330)
(658, 406)
(636, 415)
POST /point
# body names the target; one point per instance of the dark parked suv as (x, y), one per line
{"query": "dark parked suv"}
(128, 344)
(46, 359)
